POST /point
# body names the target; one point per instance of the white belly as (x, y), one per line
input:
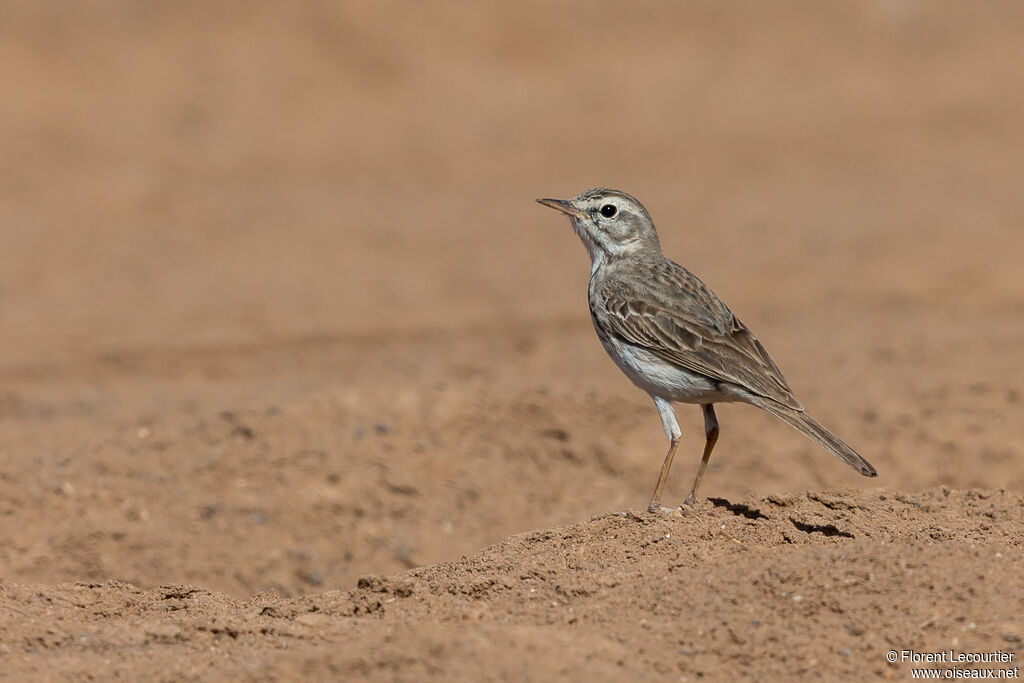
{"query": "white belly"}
(662, 379)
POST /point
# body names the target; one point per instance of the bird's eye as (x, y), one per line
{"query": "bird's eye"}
(609, 210)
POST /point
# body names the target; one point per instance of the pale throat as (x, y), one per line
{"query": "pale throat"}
(593, 249)
(600, 250)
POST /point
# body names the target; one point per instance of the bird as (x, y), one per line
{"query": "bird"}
(673, 337)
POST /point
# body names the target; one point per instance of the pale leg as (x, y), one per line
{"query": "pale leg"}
(711, 436)
(672, 431)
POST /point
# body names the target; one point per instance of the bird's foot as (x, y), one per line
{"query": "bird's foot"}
(692, 505)
(659, 509)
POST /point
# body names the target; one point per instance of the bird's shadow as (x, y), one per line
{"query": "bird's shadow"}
(738, 509)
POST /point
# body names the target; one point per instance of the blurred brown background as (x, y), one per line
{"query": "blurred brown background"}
(278, 308)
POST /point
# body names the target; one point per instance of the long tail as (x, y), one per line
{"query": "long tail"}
(809, 427)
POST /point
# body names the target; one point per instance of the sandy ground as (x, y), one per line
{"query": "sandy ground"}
(293, 370)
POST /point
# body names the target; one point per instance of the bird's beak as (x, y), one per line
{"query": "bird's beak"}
(563, 206)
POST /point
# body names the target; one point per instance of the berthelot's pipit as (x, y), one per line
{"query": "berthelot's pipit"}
(672, 336)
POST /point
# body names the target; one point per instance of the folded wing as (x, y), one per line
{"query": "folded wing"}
(683, 322)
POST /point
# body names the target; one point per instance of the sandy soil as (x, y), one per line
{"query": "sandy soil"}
(285, 337)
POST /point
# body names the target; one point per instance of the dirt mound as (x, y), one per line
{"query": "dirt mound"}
(820, 585)
(780, 586)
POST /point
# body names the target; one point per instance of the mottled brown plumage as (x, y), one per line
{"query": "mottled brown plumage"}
(657, 304)
(672, 335)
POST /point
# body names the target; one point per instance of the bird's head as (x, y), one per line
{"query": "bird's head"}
(610, 223)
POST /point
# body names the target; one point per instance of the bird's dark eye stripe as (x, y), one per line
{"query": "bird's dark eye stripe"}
(608, 210)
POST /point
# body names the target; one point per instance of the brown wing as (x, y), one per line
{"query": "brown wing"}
(680, 320)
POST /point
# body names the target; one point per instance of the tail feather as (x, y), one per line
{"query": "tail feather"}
(809, 427)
